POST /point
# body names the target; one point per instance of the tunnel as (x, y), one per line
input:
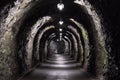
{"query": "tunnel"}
(58, 40)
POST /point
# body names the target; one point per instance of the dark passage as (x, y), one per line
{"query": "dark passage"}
(58, 40)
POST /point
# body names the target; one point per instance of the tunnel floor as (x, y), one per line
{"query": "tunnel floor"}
(53, 69)
(57, 74)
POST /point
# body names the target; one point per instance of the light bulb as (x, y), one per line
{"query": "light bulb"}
(61, 22)
(61, 34)
(60, 6)
(60, 30)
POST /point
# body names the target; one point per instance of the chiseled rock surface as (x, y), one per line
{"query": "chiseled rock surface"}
(8, 29)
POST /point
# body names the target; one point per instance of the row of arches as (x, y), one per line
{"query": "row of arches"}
(34, 28)
(80, 29)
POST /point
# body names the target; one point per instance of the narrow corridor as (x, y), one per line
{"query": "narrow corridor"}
(56, 40)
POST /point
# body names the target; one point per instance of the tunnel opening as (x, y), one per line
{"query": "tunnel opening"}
(53, 38)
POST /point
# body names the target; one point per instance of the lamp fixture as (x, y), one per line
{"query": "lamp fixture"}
(60, 30)
(61, 22)
(60, 5)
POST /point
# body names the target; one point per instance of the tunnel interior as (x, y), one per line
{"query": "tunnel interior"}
(62, 29)
(56, 34)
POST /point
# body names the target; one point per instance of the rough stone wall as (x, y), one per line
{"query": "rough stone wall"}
(8, 30)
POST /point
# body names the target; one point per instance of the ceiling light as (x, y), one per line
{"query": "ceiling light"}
(61, 22)
(61, 34)
(60, 30)
(60, 6)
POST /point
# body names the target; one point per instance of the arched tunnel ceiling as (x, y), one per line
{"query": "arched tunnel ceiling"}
(41, 9)
(34, 23)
